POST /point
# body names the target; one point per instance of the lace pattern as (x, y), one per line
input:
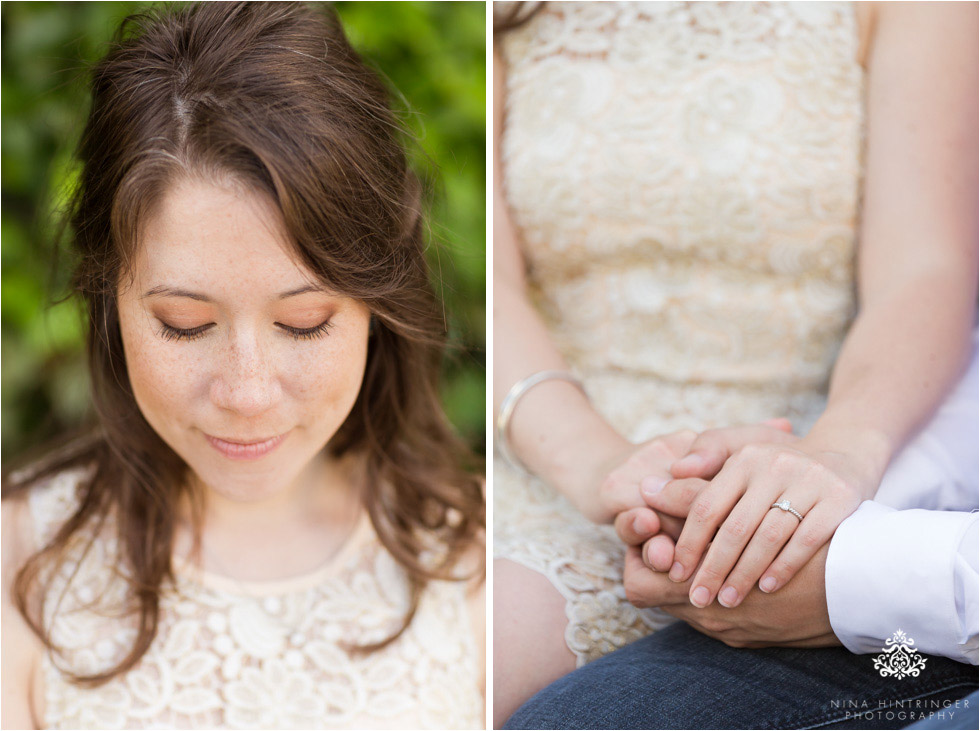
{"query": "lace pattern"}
(685, 178)
(254, 658)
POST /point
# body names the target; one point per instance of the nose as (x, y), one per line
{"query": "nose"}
(247, 382)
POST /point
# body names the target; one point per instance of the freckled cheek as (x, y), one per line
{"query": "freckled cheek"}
(169, 382)
(329, 377)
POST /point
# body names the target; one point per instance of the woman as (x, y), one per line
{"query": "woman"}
(273, 526)
(677, 225)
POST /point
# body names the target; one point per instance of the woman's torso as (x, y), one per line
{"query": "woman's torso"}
(685, 178)
(259, 655)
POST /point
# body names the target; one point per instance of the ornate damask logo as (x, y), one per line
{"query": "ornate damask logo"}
(899, 658)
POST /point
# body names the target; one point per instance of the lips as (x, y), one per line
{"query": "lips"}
(245, 449)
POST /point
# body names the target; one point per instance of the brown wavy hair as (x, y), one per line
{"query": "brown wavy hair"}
(510, 15)
(271, 95)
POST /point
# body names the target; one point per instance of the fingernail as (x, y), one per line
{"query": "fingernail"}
(676, 571)
(638, 526)
(768, 584)
(650, 486)
(699, 597)
(648, 556)
(728, 596)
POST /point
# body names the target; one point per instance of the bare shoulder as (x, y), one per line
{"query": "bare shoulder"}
(21, 648)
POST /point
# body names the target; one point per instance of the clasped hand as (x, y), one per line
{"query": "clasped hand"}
(713, 527)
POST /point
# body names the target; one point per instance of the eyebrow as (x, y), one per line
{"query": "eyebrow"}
(164, 291)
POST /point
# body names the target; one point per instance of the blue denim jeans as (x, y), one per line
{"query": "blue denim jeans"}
(678, 678)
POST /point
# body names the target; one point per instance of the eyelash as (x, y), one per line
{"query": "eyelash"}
(169, 332)
(307, 333)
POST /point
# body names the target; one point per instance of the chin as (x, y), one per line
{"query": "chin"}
(246, 488)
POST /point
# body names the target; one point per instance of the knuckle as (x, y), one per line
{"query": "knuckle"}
(683, 552)
(818, 473)
(655, 449)
(839, 491)
(705, 440)
(685, 490)
(702, 509)
(784, 462)
(660, 447)
(741, 581)
(634, 595)
(612, 483)
(607, 489)
(751, 452)
(689, 491)
(687, 435)
(780, 569)
(736, 528)
(810, 538)
(689, 487)
(710, 574)
(714, 624)
(770, 534)
(639, 459)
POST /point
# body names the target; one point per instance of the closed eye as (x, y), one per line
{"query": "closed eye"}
(169, 332)
(307, 333)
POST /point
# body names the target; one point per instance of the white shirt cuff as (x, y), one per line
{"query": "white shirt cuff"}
(909, 570)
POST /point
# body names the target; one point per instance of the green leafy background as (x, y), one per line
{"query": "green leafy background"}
(432, 53)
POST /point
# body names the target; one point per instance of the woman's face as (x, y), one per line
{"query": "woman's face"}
(237, 356)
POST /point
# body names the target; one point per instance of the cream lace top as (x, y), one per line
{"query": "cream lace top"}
(685, 178)
(258, 655)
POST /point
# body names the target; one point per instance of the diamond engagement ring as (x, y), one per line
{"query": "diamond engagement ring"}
(785, 505)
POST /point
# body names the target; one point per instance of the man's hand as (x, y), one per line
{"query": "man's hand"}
(794, 617)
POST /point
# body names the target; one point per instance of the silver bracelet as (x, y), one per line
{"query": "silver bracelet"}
(510, 403)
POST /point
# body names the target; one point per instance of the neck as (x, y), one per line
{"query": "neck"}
(290, 533)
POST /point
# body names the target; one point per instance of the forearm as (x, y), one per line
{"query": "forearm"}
(918, 237)
(554, 429)
(903, 354)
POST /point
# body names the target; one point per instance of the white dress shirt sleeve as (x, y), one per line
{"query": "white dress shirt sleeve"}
(908, 560)
(909, 570)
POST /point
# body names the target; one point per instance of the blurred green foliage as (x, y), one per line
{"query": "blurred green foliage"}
(432, 53)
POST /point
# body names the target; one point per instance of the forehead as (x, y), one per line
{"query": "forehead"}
(218, 236)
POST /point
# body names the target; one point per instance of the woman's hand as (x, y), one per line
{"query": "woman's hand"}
(614, 486)
(645, 468)
(705, 457)
(736, 535)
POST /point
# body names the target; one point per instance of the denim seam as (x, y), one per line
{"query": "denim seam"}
(827, 718)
